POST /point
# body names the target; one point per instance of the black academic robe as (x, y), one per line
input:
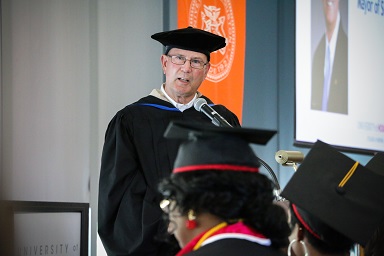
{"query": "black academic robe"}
(135, 157)
(235, 247)
(338, 93)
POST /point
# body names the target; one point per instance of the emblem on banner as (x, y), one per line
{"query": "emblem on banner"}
(216, 17)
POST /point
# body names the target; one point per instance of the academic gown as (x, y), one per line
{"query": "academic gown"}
(135, 157)
(235, 247)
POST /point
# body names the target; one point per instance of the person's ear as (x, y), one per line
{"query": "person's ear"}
(163, 60)
(207, 67)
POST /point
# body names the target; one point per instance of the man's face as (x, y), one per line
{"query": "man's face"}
(177, 221)
(183, 80)
(331, 9)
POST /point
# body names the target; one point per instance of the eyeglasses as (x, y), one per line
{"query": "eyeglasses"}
(180, 60)
(164, 205)
(167, 205)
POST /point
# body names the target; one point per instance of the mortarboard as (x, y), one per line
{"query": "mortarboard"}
(191, 39)
(339, 192)
(375, 244)
(376, 164)
(321, 230)
(206, 146)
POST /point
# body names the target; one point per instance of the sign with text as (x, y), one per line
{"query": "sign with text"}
(50, 228)
(47, 233)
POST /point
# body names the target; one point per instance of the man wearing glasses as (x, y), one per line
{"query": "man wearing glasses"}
(135, 153)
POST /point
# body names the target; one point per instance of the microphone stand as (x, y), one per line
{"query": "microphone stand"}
(219, 121)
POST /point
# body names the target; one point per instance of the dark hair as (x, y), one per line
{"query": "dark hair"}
(230, 195)
(375, 246)
(335, 242)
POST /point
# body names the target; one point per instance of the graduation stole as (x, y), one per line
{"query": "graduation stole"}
(237, 230)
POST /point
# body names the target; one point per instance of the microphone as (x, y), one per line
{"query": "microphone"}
(289, 157)
(201, 105)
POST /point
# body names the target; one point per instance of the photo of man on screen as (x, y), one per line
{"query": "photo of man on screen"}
(330, 62)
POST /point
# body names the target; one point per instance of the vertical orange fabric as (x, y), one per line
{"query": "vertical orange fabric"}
(225, 81)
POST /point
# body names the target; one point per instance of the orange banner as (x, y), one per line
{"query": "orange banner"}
(225, 80)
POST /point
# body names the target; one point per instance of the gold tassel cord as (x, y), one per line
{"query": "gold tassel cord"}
(348, 175)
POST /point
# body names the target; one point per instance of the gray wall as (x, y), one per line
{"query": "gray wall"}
(269, 77)
(69, 65)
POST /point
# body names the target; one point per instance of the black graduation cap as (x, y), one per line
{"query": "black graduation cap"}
(339, 192)
(320, 230)
(207, 146)
(191, 39)
(376, 164)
